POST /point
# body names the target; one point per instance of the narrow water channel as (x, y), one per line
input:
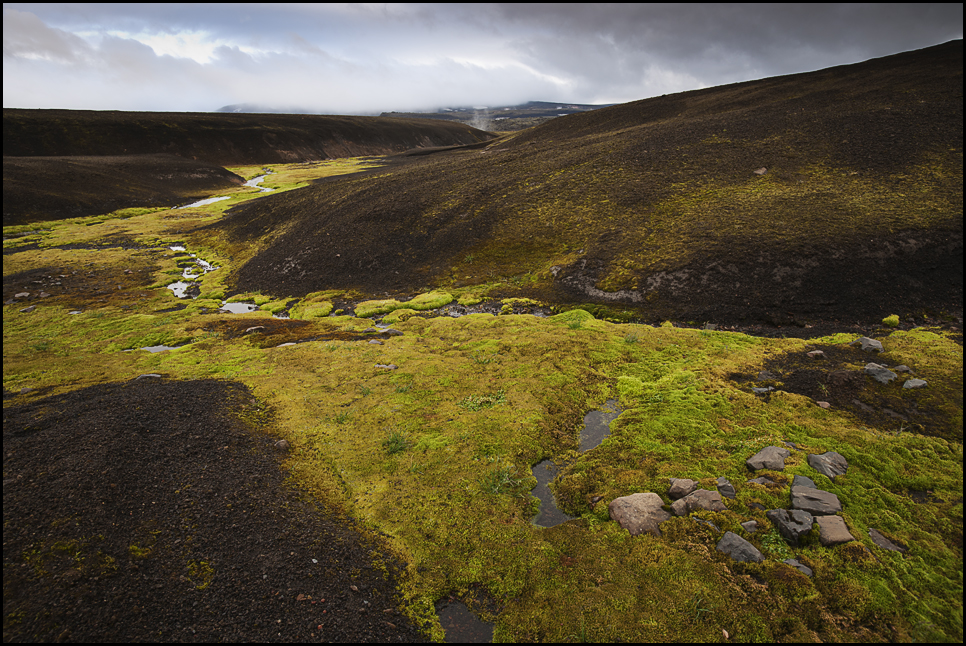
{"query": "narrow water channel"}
(595, 430)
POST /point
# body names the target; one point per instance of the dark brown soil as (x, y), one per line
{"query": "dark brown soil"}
(153, 511)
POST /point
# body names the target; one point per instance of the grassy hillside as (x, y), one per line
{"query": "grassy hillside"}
(827, 194)
(223, 139)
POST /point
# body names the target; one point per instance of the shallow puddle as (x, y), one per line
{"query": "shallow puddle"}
(462, 626)
(549, 515)
(186, 288)
(597, 425)
(596, 428)
(158, 348)
(238, 308)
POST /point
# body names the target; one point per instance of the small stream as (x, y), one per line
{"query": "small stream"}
(187, 287)
(596, 429)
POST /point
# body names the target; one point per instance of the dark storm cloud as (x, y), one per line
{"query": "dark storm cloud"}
(369, 58)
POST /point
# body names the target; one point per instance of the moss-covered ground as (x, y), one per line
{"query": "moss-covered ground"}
(437, 453)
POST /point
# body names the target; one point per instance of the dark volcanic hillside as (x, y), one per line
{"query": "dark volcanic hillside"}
(834, 194)
(49, 188)
(223, 139)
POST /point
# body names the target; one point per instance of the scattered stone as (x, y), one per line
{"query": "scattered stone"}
(150, 375)
(869, 345)
(790, 445)
(639, 512)
(700, 499)
(903, 368)
(254, 329)
(706, 522)
(725, 488)
(833, 531)
(681, 487)
(282, 445)
(390, 366)
(762, 391)
(76, 312)
(815, 501)
(802, 481)
(824, 405)
(28, 310)
(792, 525)
(816, 354)
(750, 526)
(392, 332)
(765, 375)
(756, 505)
(370, 329)
(739, 549)
(375, 342)
(885, 543)
(285, 345)
(804, 569)
(914, 383)
(24, 391)
(879, 372)
(829, 464)
(22, 295)
(770, 457)
(760, 171)
(44, 295)
(764, 481)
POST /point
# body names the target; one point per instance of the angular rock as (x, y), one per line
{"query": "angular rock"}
(698, 500)
(825, 405)
(375, 342)
(815, 501)
(869, 345)
(763, 481)
(390, 366)
(681, 487)
(725, 488)
(832, 530)
(762, 391)
(830, 464)
(914, 383)
(28, 309)
(391, 332)
(150, 375)
(739, 549)
(282, 445)
(792, 525)
(816, 354)
(706, 523)
(770, 457)
(804, 569)
(885, 543)
(903, 368)
(880, 373)
(802, 481)
(750, 526)
(639, 512)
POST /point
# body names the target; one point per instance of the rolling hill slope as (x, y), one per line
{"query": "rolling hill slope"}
(835, 193)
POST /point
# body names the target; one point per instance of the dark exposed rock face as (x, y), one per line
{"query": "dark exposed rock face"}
(815, 501)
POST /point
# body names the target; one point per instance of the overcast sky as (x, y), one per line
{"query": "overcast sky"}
(359, 59)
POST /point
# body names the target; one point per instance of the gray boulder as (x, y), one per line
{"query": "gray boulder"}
(750, 526)
(764, 481)
(830, 464)
(639, 512)
(815, 501)
(832, 530)
(770, 457)
(681, 487)
(792, 525)
(739, 549)
(914, 383)
(885, 543)
(702, 499)
(802, 481)
(867, 344)
(880, 373)
(725, 488)
(804, 569)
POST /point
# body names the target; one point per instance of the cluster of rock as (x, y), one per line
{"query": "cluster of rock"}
(644, 512)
